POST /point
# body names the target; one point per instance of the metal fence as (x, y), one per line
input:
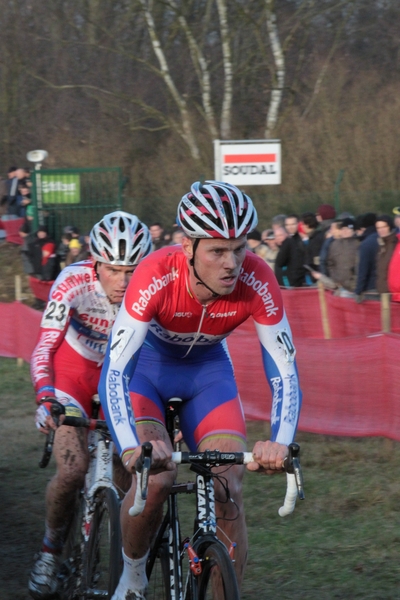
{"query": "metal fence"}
(78, 197)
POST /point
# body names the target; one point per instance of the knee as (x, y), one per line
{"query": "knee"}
(160, 486)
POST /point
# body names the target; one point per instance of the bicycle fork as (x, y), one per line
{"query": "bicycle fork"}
(99, 475)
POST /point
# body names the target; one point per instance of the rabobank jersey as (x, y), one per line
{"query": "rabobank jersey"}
(78, 313)
(160, 311)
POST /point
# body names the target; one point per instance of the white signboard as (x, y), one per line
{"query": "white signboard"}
(252, 162)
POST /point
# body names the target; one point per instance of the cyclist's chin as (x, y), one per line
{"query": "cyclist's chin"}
(116, 298)
(226, 287)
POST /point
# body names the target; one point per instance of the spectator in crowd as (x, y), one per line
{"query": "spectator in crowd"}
(268, 237)
(76, 252)
(278, 221)
(63, 248)
(23, 199)
(342, 259)
(42, 253)
(253, 240)
(316, 238)
(387, 242)
(10, 198)
(157, 236)
(291, 255)
(25, 233)
(176, 236)
(367, 253)
(325, 216)
(366, 225)
(333, 233)
(396, 213)
(281, 235)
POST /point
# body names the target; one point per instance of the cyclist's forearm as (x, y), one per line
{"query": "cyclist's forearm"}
(278, 355)
(122, 353)
(42, 362)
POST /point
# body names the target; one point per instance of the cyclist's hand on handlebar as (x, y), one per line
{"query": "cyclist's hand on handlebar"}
(52, 411)
(161, 458)
(268, 457)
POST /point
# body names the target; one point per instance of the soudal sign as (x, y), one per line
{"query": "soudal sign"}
(248, 163)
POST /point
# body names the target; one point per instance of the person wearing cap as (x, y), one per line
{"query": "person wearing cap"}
(325, 215)
(387, 242)
(76, 252)
(66, 364)
(169, 341)
(272, 249)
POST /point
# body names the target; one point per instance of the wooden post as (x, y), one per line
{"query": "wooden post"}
(18, 296)
(324, 311)
(385, 312)
(18, 288)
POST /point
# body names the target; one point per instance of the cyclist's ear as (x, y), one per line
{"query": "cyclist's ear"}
(187, 247)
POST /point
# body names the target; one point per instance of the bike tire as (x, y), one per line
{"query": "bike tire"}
(70, 574)
(218, 573)
(158, 573)
(102, 564)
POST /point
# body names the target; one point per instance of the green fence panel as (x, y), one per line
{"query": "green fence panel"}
(78, 197)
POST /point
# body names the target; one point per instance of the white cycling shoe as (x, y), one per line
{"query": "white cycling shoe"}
(122, 593)
(43, 578)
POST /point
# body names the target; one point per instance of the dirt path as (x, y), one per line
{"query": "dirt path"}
(22, 482)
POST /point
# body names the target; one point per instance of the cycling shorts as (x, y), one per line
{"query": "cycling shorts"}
(75, 377)
(207, 387)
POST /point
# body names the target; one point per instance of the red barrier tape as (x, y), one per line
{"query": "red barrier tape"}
(350, 384)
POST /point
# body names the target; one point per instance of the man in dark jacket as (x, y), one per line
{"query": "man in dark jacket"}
(316, 238)
(367, 252)
(291, 255)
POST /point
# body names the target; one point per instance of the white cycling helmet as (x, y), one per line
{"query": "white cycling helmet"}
(120, 239)
(216, 210)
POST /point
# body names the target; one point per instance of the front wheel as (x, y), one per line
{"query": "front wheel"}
(218, 578)
(103, 557)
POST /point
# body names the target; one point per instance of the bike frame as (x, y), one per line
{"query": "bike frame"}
(99, 475)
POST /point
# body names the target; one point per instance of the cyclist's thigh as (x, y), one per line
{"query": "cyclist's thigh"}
(215, 410)
(75, 377)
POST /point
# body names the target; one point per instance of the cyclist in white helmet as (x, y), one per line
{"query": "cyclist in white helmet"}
(66, 364)
(178, 309)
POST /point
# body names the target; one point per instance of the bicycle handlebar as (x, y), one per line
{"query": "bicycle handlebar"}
(294, 475)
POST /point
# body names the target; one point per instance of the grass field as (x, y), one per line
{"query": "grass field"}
(342, 542)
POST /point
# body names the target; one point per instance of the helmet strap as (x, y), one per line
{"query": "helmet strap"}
(200, 281)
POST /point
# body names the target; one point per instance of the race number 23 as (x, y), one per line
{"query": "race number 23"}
(56, 311)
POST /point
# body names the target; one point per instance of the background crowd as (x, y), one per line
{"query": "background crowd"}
(355, 256)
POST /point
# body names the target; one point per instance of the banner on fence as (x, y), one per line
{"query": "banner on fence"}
(350, 384)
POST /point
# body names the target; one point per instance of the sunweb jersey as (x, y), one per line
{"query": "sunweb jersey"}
(78, 313)
(160, 311)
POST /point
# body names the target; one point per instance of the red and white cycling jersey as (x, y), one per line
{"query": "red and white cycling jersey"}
(78, 314)
(160, 311)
